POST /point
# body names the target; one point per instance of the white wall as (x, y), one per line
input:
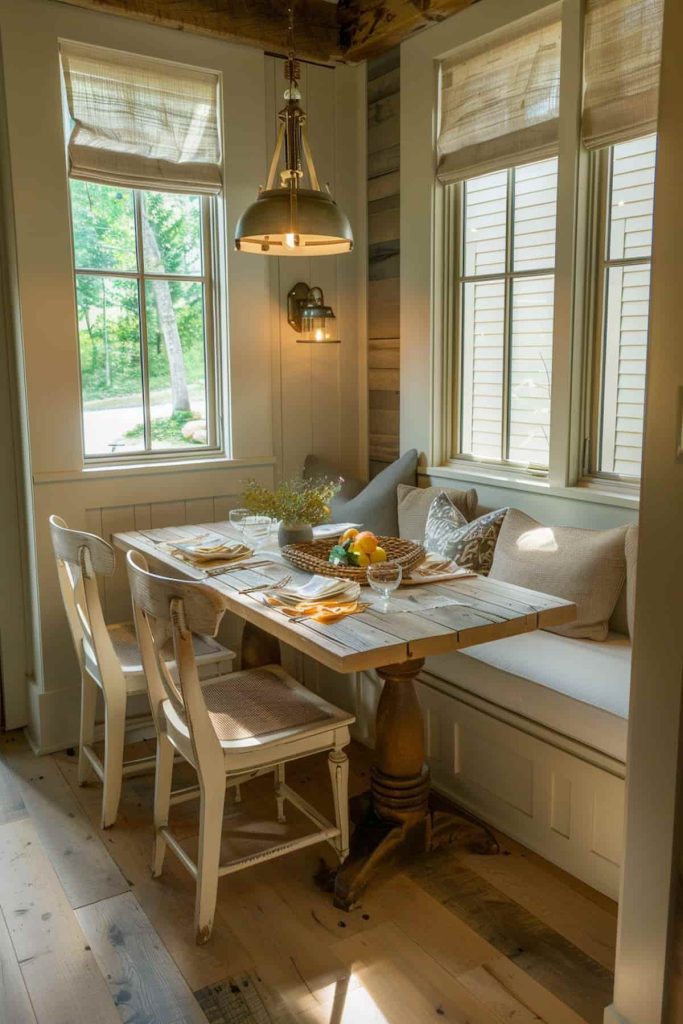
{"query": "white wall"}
(275, 386)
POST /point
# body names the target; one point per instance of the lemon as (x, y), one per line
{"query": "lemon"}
(378, 555)
(362, 559)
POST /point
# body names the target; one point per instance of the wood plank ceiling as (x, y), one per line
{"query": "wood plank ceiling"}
(326, 32)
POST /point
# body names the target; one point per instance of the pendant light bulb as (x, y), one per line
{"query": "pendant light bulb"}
(290, 219)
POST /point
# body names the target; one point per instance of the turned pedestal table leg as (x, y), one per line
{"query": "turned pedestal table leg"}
(258, 647)
(398, 817)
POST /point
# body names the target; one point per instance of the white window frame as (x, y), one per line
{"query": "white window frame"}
(429, 409)
(597, 365)
(210, 279)
(455, 205)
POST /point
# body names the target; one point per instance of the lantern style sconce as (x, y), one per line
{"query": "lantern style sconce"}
(308, 315)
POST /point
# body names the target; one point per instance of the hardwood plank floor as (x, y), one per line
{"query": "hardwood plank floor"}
(458, 937)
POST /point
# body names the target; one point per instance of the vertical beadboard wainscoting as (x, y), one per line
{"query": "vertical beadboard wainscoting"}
(556, 796)
(106, 503)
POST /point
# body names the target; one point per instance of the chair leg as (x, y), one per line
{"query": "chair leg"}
(163, 782)
(87, 732)
(114, 737)
(279, 782)
(211, 807)
(338, 764)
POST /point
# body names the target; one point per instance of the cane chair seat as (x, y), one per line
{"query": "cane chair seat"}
(263, 705)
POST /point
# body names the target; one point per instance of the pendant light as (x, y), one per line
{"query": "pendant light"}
(290, 220)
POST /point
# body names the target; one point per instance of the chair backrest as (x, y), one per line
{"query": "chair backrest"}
(80, 558)
(161, 606)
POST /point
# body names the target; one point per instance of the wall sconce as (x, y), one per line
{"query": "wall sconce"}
(308, 315)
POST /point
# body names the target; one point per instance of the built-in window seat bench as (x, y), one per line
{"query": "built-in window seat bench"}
(528, 732)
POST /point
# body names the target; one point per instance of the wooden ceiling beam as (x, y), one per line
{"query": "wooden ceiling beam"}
(261, 23)
(370, 27)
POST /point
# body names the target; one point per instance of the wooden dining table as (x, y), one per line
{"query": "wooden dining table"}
(398, 820)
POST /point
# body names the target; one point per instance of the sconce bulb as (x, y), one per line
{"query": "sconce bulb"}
(319, 334)
(291, 240)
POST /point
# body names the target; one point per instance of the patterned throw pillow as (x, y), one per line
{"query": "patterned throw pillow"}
(471, 545)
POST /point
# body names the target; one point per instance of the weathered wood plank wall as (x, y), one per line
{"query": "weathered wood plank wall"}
(383, 258)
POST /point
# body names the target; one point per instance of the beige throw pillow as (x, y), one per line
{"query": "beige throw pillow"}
(631, 558)
(414, 504)
(587, 567)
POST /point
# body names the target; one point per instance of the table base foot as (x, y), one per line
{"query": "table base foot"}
(377, 845)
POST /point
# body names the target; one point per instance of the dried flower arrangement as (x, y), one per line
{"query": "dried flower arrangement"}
(293, 501)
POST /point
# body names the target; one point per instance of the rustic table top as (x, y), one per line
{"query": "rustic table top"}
(486, 609)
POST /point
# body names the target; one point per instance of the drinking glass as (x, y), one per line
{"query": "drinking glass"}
(384, 578)
(255, 529)
(237, 517)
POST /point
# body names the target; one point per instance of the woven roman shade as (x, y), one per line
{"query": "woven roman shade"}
(500, 100)
(621, 68)
(141, 122)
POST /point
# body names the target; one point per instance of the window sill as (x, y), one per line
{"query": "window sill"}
(598, 491)
(93, 473)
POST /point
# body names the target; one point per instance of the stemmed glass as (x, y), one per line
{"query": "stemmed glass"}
(256, 528)
(237, 517)
(384, 578)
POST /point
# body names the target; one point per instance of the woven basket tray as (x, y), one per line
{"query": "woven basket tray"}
(311, 556)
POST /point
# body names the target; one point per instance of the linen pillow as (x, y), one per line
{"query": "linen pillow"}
(631, 548)
(470, 545)
(414, 504)
(587, 567)
(376, 505)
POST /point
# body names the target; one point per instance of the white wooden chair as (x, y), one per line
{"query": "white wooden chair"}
(109, 660)
(246, 724)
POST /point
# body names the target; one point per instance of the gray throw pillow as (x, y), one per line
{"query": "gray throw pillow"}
(317, 468)
(376, 506)
(470, 545)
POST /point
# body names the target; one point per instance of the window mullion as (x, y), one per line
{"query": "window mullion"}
(142, 313)
(507, 315)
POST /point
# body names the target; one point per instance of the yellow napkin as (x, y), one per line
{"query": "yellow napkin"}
(319, 611)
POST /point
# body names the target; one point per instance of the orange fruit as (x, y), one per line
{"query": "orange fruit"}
(348, 535)
(378, 555)
(365, 541)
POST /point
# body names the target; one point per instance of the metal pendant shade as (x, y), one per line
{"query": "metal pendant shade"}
(290, 220)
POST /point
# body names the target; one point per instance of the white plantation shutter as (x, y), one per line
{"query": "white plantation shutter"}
(141, 123)
(621, 68)
(627, 301)
(507, 328)
(500, 100)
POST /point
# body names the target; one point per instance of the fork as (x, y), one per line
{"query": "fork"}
(238, 565)
(266, 586)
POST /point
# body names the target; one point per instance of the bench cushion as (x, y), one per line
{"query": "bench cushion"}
(576, 687)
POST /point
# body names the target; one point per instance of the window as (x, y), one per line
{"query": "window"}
(623, 279)
(541, 294)
(505, 296)
(145, 319)
(145, 166)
